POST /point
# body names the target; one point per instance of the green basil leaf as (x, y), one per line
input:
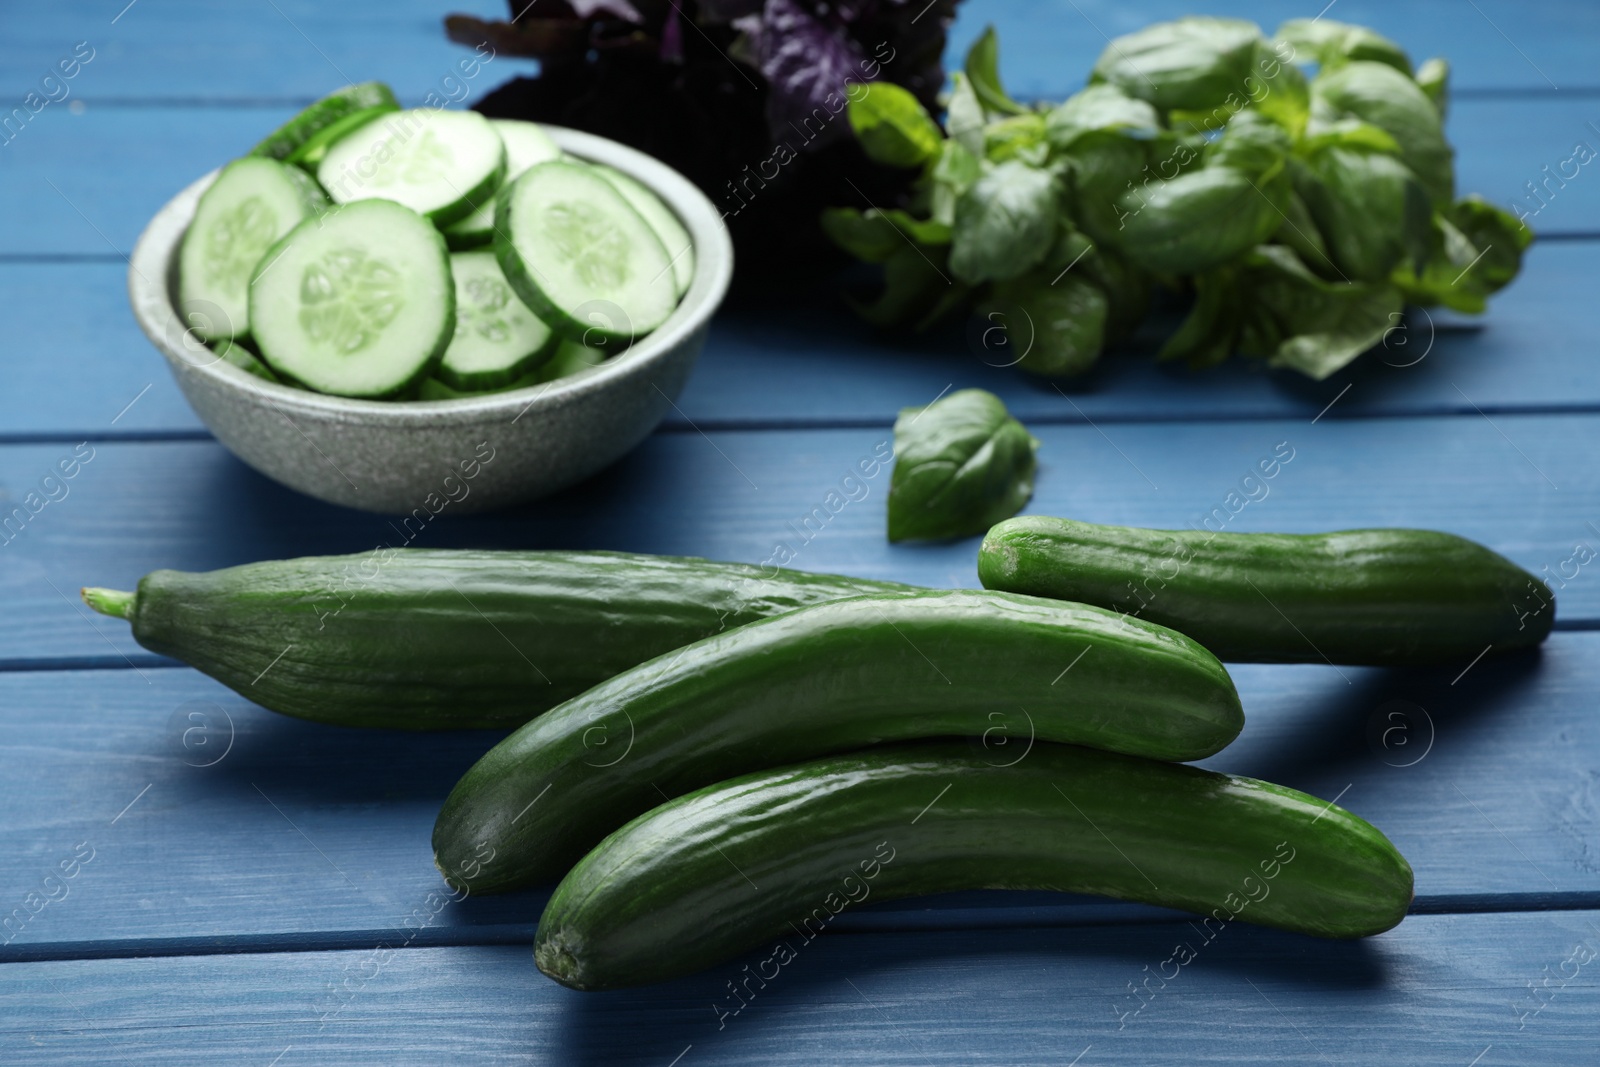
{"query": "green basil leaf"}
(1199, 220)
(1211, 329)
(952, 174)
(914, 283)
(1433, 78)
(1102, 165)
(1332, 44)
(1388, 99)
(1056, 328)
(1278, 89)
(962, 464)
(874, 235)
(1299, 231)
(893, 127)
(1099, 107)
(964, 115)
(1127, 288)
(1253, 144)
(1196, 63)
(1013, 137)
(1446, 278)
(1004, 224)
(1498, 235)
(1299, 321)
(1347, 133)
(1369, 209)
(983, 71)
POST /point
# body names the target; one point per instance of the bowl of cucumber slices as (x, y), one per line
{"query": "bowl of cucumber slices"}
(376, 301)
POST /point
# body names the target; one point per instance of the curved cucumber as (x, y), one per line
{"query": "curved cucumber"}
(497, 339)
(767, 860)
(418, 639)
(356, 302)
(440, 164)
(235, 353)
(526, 145)
(830, 678)
(1382, 597)
(242, 214)
(578, 254)
(331, 110)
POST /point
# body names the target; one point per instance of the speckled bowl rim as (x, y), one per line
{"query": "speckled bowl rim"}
(152, 267)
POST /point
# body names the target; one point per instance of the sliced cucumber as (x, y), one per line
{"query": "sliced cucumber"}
(661, 220)
(434, 389)
(284, 141)
(570, 358)
(358, 302)
(527, 145)
(253, 203)
(577, 253)
(497, 338)
(310, 154)
(232, 351)
(437, 163)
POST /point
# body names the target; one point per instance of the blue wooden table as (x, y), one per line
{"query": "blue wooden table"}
(270, 899)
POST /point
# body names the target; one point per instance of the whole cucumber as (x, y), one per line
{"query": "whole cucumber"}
(1380, 597)
(420, 639)
(770, 858)
(830, 678)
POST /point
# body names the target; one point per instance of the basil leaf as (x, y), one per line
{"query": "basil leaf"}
(1278, 89)
(1300, 321)
(983, 71)
(873, 235)
(1102, 165)
(1299, 231)
(1386, 98)
(1199, 220)
(1196, 63)
(962, 464)
(1252, 144)
(951, 175)
(1498, 235)
(1003, 224)
(1208, 334)
(892, 126)
(1127, 289)
(1013, 137)
(1433, 78)
(1445, 279)
(1332, 44)
(1099, 107)
(964, 115)
(1369, 209)
(913, 285)
(1056, 328)
(1347, 133)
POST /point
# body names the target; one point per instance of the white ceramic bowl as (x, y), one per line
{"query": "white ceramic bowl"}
(396, 457)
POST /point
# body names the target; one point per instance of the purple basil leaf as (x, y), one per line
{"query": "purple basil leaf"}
(807, 65)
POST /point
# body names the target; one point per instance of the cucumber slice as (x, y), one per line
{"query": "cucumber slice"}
(437, 163)
(661, 220)
(434, 389)
(231, 351)
(282, 142)
(580, 256)
(527, 145)
(253, 203)
(358, 302)
(570, 358)
(310, 154)
(497, 338)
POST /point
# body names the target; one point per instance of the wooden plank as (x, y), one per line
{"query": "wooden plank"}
(136, 507)
(62, 162)
(301, 48)
(79, 359)
(1435, 991)
(212, 821)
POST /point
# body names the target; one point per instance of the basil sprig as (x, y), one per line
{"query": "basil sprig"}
(962, 464)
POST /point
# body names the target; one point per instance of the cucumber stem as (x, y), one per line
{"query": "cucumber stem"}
(114, 602)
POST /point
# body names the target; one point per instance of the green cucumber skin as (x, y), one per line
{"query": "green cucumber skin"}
(830, 678)
(310, 152)
(1386, 597)
(770, 857)
(394, 638)
(282, 142)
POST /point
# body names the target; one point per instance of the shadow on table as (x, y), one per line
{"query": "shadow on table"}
(999, 977)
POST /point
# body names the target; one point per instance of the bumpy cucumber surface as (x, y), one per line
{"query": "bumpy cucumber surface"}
(766, 860)
(1382, 597)
(420, 639)
(829, 678)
